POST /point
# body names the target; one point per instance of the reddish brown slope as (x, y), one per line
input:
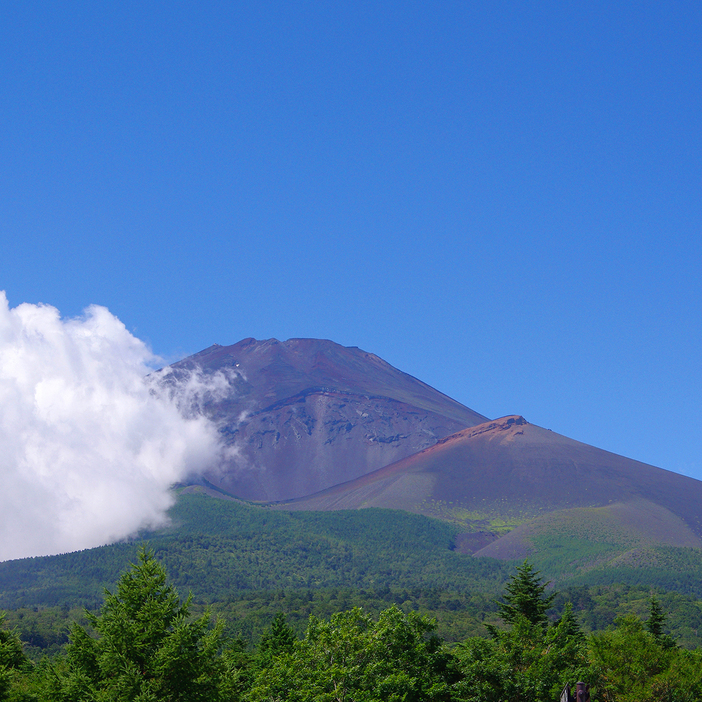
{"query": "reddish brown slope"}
(513, 470)
(306, 414)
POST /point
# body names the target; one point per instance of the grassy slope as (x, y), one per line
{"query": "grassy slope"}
(636, 542)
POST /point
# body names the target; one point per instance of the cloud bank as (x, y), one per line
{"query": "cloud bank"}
(89, 445)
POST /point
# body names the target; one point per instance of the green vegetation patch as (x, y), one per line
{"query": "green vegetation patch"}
(469, 518)
(220, 548)
(146, 642)
(606, 545)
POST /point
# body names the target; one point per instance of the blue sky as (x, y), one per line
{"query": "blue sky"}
(500, 198)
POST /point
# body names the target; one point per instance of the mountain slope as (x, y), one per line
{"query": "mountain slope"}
(220, 547)
(317, 426)
(306, 414)
(499, 475)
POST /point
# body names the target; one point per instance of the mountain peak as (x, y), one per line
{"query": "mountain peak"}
(305, 414)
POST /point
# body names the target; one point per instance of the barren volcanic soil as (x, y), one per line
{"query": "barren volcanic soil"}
(515, 471)
(306, 414)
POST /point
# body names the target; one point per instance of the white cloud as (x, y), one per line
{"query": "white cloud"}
(88, 445)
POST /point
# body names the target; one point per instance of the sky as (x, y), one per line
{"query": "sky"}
(502, 199)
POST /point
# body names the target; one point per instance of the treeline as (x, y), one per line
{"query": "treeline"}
(222, 549)
(146, 644)
(459, 614)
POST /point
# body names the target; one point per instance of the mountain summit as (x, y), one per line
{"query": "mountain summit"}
(306, 414)
(318, 426)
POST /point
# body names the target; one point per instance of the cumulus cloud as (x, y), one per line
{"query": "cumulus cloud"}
(91, 438)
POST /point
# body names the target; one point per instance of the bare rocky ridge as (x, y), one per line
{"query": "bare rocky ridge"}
(306, 414)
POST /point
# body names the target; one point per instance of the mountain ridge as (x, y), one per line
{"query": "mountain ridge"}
(508, 476)
(319, 426)
(306, 414)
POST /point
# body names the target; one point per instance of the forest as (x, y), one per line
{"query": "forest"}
(147, 643)
(225, 551)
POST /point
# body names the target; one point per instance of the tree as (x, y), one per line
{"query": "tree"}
(530, 660)
(524, 595)
(11, 657)
(630, 665)
(277, 640)
(656, 619)
(147, 648)
(525, 662)
(352, 657)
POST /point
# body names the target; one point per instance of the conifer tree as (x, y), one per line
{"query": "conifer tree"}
(147, 648)
(278, 639)
(525, 595)
(656, 619)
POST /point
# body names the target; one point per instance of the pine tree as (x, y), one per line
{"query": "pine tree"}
(278, 639)
(568, 626)
(147, 647)
(525, 595)
(656, 619)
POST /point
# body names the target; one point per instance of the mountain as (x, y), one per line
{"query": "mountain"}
(514, 485)
(305, 414)
(318, 426)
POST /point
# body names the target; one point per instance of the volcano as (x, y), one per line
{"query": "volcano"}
(508, 476)
(306, 414)
(313, 425)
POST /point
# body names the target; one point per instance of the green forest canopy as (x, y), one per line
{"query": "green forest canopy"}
(146, 643)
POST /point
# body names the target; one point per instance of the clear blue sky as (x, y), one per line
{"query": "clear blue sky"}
(503, 199)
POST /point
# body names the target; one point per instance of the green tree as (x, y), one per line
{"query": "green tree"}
(524, 662)
(525, 596)
(147, 647)
(630, 665)
(654, 625)
(528, 660)
(238, 670)
(278, 639)
(11, 657)
(351, 657)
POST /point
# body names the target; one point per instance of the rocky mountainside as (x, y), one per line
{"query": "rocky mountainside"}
(318, 426)
(506, 480)
(307, 414)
